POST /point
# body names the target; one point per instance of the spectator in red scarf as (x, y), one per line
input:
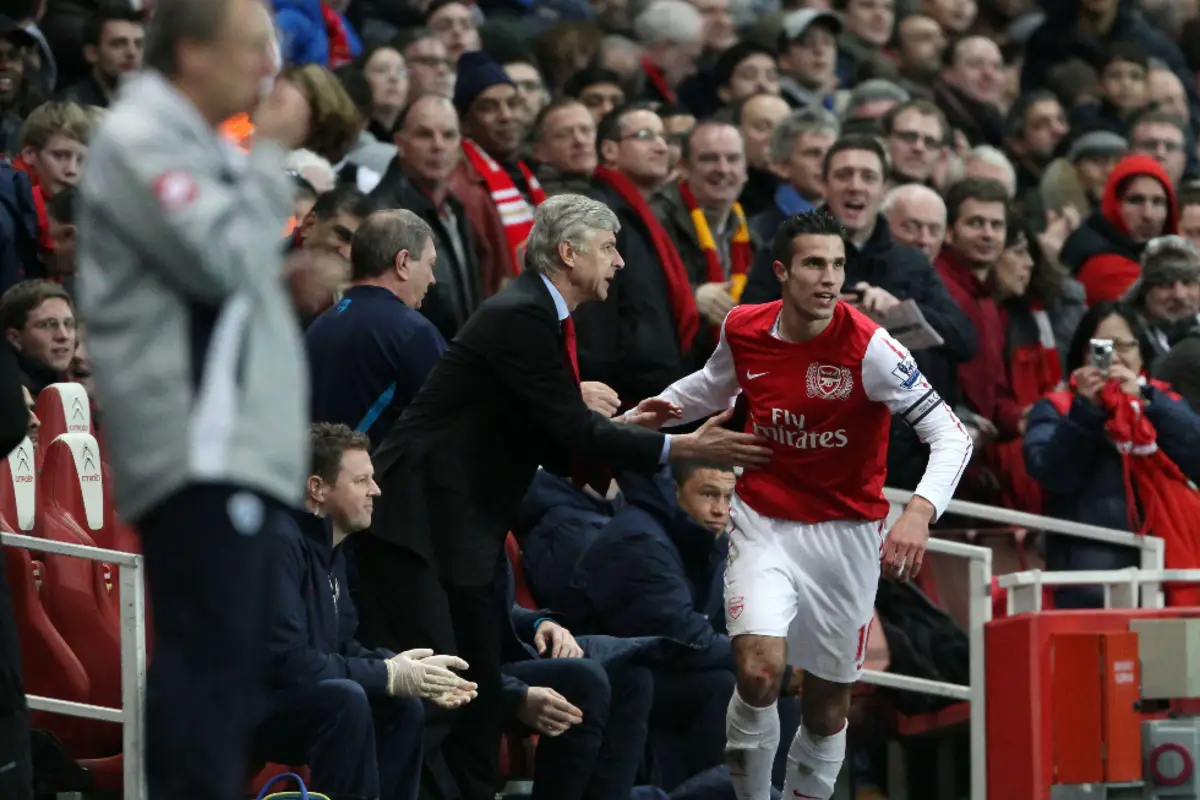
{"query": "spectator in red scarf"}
(673, 33)
(1069, 450)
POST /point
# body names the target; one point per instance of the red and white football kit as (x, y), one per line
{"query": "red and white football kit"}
(808, 528)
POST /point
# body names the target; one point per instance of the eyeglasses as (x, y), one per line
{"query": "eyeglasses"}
(644, 135)
(912, 137)
(52, 324)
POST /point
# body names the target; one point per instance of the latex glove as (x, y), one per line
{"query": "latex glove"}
(454, 698)
(419, 673)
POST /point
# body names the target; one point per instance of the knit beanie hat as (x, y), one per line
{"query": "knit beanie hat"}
(477, 73)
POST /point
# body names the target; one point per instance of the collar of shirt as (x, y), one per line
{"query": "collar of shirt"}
(560, 305)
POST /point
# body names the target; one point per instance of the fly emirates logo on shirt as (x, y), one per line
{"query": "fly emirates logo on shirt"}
(788, 429)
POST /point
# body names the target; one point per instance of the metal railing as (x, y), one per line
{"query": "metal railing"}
(1123, 588)
(1147, 582)
(132, 612)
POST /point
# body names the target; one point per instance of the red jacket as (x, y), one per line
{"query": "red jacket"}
(983, 380)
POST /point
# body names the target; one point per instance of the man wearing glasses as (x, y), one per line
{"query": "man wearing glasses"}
(916, 139)
(38, 318)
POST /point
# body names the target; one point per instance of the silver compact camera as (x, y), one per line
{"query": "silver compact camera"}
(1101, 355)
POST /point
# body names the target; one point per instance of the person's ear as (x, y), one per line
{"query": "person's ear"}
(781, 272)
(608, 152)
(403, 265)
(316, 489)
(567, 253)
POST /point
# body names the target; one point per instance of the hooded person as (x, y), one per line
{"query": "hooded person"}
(1138, 205)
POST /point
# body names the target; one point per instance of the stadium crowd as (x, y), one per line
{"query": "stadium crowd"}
(1015, 182)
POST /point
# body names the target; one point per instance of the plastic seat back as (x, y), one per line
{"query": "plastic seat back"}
(18, 488)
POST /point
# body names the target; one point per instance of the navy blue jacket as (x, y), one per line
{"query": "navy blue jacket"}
(653, 571)
(312, 632)
(1073, 460)
(19, 258)
(555, 525)
(368, 356)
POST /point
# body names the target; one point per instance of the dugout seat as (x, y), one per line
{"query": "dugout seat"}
(18, 488)
(62, 408)
(517, 753)
(74, 591)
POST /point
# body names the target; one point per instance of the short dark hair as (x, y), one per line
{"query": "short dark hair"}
(1156, 116)
(93, 28)
(683, 469)
(344, 198)
(557, 104)
(982, 190)
(22, 298)
(1077, 353)
(1187, 195)
(590, 77)
(62, 206)
(609, 129)
(176, 21)
(817, 222)
(855, 141)
(1131, 52)
(384, 235)
(329, 441)
(1014, 123)
(924, 107)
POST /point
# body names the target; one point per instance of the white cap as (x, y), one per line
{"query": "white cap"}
(795, 23)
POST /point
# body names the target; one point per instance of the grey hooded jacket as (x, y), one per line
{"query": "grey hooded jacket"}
(196, 347)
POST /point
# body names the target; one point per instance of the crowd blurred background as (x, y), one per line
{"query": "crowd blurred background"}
(1025, 176)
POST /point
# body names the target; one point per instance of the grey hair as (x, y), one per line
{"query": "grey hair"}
(565, 218)
(382, 236)
(175, 21)
(988, 155)
(910, 192)
(799, 123)
(668, 21)
(872, 91)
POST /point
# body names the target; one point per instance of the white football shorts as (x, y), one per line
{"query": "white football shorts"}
(812, 584)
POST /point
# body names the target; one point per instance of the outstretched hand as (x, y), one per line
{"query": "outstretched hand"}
(653, 413)
(711, 441)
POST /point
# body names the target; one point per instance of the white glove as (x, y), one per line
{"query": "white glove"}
(419, 673)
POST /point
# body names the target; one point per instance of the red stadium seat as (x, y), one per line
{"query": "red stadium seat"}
(18, 488)
(53, 670)
(73, 590)
(524, 596)
(63, 408)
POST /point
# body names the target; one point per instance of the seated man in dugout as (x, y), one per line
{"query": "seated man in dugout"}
(352, 715)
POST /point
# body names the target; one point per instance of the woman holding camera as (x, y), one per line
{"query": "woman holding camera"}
(1071, 449)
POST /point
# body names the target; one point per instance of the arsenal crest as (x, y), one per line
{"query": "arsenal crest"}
(736, 604)
(829, 383)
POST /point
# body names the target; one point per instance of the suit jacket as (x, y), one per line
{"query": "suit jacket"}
(499, 403)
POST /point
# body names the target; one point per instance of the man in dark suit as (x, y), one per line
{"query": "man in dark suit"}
(504, 399)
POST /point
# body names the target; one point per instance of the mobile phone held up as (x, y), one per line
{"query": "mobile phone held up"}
(1100, 355)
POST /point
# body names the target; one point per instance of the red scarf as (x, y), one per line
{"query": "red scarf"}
(39, 202)
(1170, 502)
(340, 53)
(657, 80)
(683, 302)
(515, 214)
(741, 256)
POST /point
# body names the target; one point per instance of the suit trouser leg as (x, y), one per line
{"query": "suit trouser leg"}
(565, 763)
(399, 727)
(688, 721)
(16, 770)
(328, 727)
(208, 565)
(473, 747)
(401, 606)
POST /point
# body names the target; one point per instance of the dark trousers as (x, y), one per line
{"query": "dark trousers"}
(403, 603)
(353, 747)
(687, 725)
(597, 759)
(207, 551)
(16, 771)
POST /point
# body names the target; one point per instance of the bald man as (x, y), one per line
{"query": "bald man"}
(917, 217)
